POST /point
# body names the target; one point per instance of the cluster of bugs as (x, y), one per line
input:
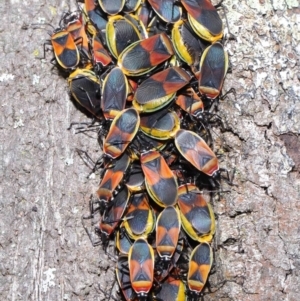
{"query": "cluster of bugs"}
(151, 74)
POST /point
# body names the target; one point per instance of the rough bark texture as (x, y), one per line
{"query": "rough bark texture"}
(45, 252)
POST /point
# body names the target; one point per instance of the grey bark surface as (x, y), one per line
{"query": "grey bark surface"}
(45, 253)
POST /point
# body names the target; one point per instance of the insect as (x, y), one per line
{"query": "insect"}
(190, 102)
(101, 58)
(144, 12)
(136, 180)
(77, 30)
(122, 131)
(139, 25)
(95, 18)
(168, 226)
(197, 215)
(160, 182)
(199, 267)
(139, 220)
(123, 278)
(120, 33)
(204, 19)
(123, 241)
(141, 267)
(171, 289)
(168, 242)
(114, 174)
(195, 150)
(167, 10)
(85, 88)
(143, 56)
(159, 90)
(213, 68)
(110, 218)
(114, 94)
(64, 47)
(187, 45)
(161, 125)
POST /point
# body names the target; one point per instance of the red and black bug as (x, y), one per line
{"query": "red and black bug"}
(168, 226)
(160, 182)
(100, 56)
(114, 173)
(136, 180)
(200, 264)
(141, 268)
(64, 47)
(95, 18)
(122, 131)
(123, 241)
(77, 29)
(84, 86)
(161, 125)
(195, 150)
(139, 220)
(168, 243)
(123, 278)
(120, 33)
(197, 215)
(143, 56)
(187, 45)
(144, 12)
(159, 90)
(171, 289)
(110, 219)
(114, 94)
(190, 102)
(213, 68)
(168, 10)
(204, 19)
